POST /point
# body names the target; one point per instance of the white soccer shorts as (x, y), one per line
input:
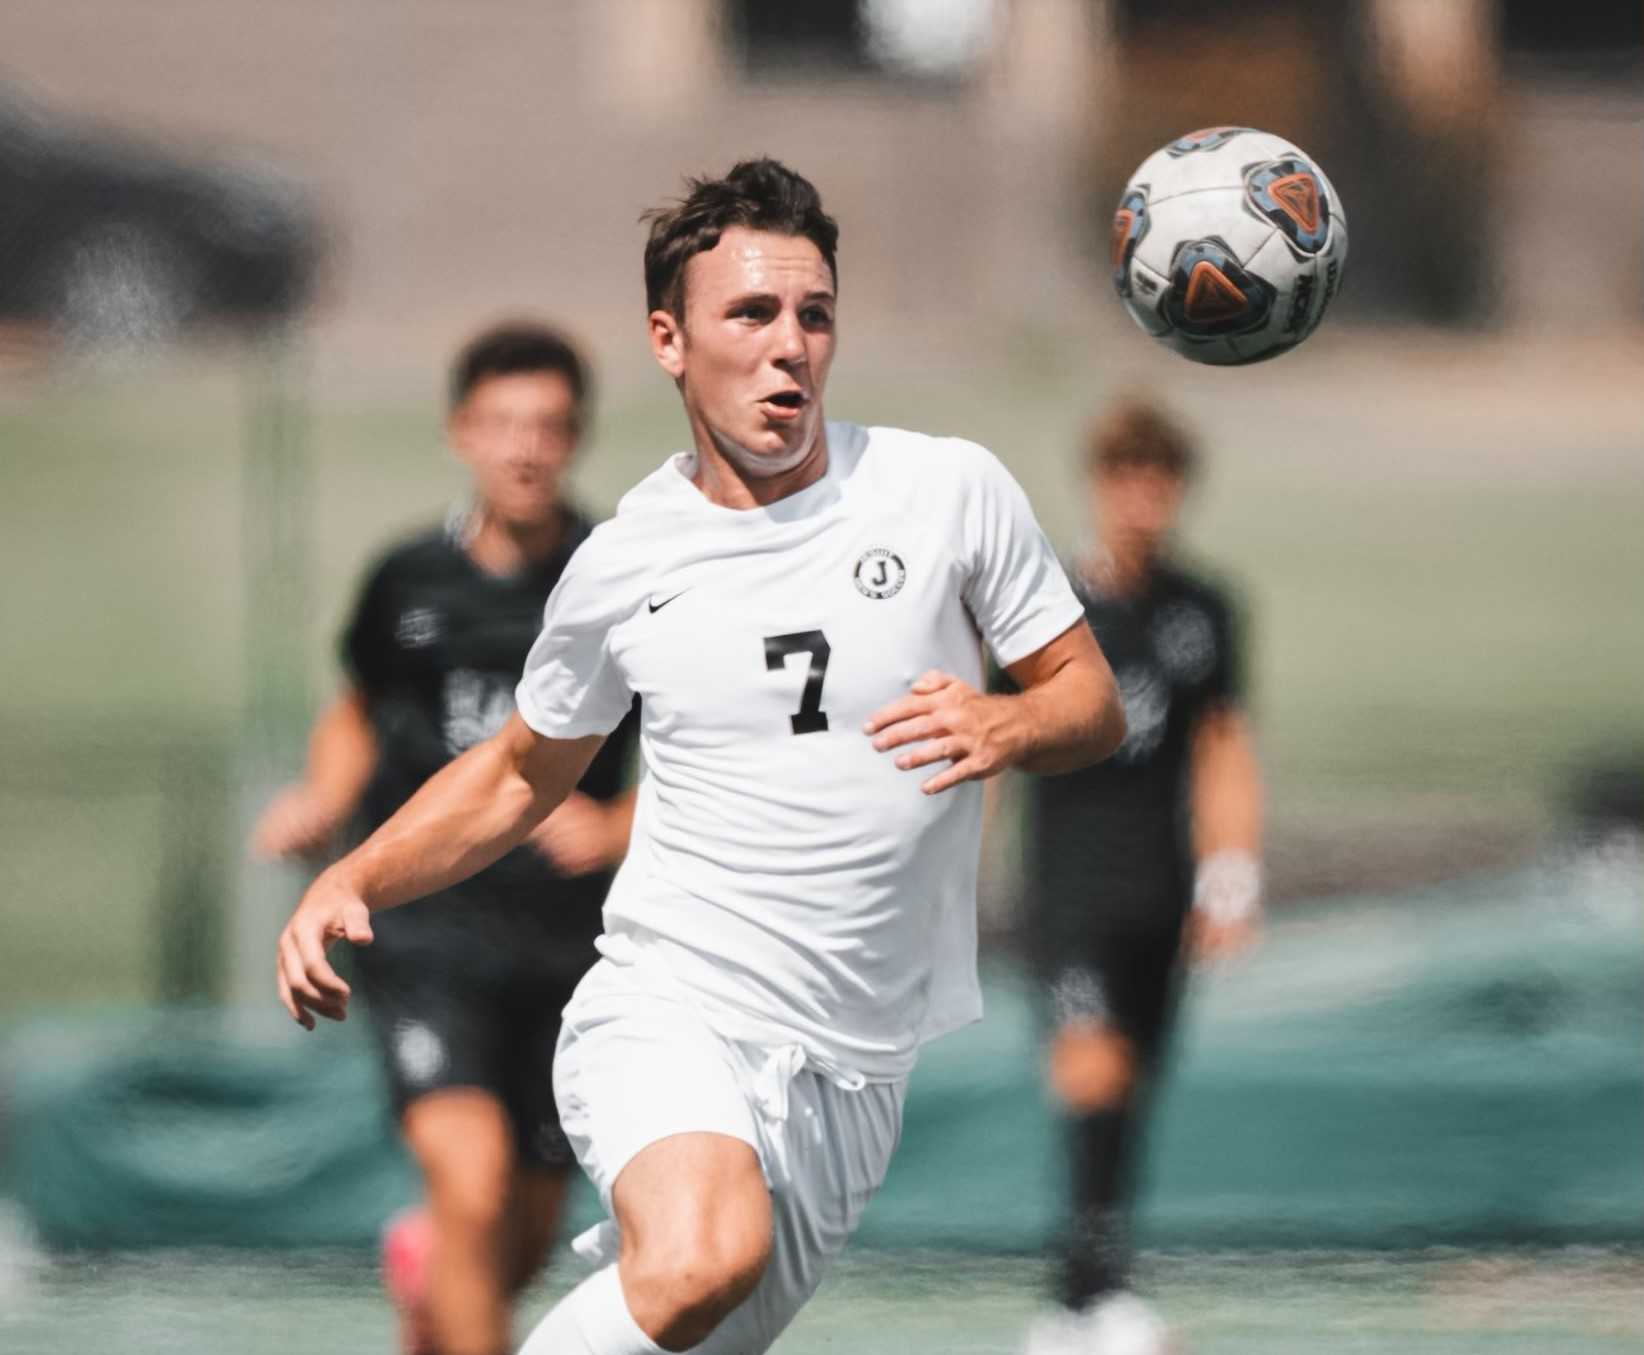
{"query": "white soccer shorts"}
(636, 1064)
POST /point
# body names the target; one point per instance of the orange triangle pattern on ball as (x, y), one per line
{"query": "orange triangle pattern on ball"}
(1298, 195)
(1211, 295)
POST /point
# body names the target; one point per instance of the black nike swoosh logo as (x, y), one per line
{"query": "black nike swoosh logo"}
(658, 606)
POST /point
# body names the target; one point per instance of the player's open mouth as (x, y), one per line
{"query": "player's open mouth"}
(784, 404)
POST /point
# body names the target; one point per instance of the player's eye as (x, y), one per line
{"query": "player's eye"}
(559, 428)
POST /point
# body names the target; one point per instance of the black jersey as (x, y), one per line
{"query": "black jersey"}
(1110, 844)
(435, 647)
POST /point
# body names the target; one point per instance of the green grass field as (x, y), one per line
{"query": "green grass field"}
(1437, 548)
(1435, 1303)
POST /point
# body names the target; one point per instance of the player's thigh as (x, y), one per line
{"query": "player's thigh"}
(826, 1161)
(634, 1068)
(434, 1023)
(443, 1042)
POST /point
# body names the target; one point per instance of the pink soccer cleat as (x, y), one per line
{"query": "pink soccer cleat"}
(407, 1240)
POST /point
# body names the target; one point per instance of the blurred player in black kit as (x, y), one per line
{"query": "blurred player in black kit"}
(466, 987)
(1139, 863)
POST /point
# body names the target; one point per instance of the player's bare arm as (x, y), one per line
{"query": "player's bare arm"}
(1066, 715)
(465, 817)
(303, 818)
(1227, 828)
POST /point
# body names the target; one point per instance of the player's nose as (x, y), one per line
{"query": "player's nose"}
(788, 339)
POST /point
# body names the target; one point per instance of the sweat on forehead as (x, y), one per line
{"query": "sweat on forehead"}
(747, 260)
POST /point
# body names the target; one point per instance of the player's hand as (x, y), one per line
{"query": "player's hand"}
(581, 836)
(948, 721)
(295, 823)
(1211, 941)
(308, 985)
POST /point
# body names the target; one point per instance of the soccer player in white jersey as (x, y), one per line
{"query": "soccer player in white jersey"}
(801, 607)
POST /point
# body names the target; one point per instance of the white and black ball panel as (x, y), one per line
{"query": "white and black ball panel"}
(1147, 289)
(1195, 216)
(1301, 300)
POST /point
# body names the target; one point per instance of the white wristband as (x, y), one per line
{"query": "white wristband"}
(1227, 888)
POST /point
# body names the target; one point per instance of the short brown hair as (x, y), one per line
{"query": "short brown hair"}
(1136, 432)
(518, 346)
(763, 195)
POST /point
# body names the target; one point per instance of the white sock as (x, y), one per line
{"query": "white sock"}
(593, 1319)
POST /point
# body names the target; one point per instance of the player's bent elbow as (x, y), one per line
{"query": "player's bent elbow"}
(549, 768)
(1104, 732)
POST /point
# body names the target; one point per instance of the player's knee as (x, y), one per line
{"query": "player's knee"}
(1091, 1068)
(471, 1202)
(690, 1287)
(712, 1283)
(470, 1193)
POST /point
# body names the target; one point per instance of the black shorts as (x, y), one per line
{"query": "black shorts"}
(441, 1023)
(1126, 978)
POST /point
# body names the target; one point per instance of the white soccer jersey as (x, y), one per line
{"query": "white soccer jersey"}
(800, 886)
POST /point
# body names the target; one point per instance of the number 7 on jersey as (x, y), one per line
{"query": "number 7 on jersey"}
(810, 718)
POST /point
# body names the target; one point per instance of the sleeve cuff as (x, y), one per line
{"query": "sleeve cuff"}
(1034, 633)
(555, 726)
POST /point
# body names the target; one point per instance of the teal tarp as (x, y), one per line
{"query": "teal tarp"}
(1460, 1065)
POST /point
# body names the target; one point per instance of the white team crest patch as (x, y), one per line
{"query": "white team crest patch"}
(1185, 642)
(419, 1052)
(1145, 697)
(477, 705)
(880, 573)
(418, 628)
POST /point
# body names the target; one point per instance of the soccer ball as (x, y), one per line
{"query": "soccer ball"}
(1228, 245)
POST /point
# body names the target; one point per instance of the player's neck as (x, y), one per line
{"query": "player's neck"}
(506, 548)
(722, 482)
(1121, 572)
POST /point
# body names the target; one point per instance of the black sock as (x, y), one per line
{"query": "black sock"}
(1095, 1248)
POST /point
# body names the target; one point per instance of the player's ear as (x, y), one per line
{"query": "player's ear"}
(456, 434)
(667, 342)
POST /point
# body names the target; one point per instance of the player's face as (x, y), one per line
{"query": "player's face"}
(516, 434)
(753, 353)
(1136, 506)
